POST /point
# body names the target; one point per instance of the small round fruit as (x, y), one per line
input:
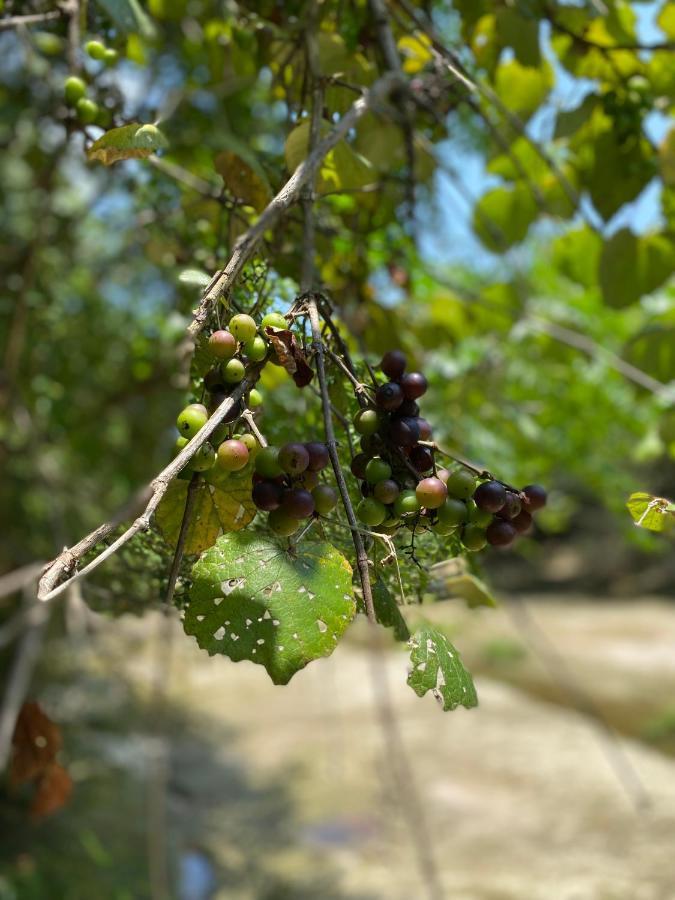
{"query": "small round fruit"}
(366, 421)
(325, 499)
(281, 523)
(522, 522)
(389, 526)
(110, 56)
(473, 537)
(233, 371)
(255, 398)
(406, 504)
(47, 42)
(95, 49)
(233, 455)
(393, 363)
(409, 408)
(512, 506)
(371, 512)
(297, 503)
(358, 466)
(234, 412)
(87, 110)
(452, 512)
(318, 455)
(74, 89)
(256, 349)
(422, 458)
(267, 495)
(426, 431)
(243, 327)
(309, 479)
(267, 463)
(500, 533)
(180, 443)
(250, 442)
(293, 458)
(414, 384)
(191, 419)
(478, 516)
(404, 432)
(490, 496)
(535, 497)
(222, 344)
(213, 380)
(204, 459)
(274, 320)
(389, 396)
(377, 470)
(431, 492)
(386, 491)
(443, 474)
(461, 484)
(371, 444)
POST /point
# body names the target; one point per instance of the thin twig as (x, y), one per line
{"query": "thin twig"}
(247, 416)
(14, 581)
(190, 501)
(36, 19)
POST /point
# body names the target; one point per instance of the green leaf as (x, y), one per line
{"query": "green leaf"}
(653, 513)
(470, 588)
(667, 158)
(503, 216)
(437, 667)
(128, 142)
(568, 122)
(129, 16)
(252, 599)
(522, 89)
(521, 33)
(666, 19)
(225, 507)
(387, 611)
(577, 254)
(631, 266)
(653, 349)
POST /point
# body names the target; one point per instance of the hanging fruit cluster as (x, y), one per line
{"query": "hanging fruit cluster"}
(77, 93)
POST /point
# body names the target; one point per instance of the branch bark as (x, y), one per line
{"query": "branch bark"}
(36, 19)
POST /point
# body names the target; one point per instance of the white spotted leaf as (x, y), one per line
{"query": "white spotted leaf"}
(253, 599)
(437, 667)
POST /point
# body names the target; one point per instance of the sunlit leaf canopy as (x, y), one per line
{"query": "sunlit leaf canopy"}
(511, 229)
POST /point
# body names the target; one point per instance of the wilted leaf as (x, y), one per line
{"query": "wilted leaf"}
(437, 667)
(128, 142)
(290, 355)
(653, 513)
(35, 743)
(251, 599)
(53, 791)
(244, 180)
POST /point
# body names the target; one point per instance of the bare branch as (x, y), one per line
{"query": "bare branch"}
(36, 19)
(247, 416)
(14, 581)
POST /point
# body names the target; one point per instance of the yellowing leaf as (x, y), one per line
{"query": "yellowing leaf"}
(522, 89)
(414, 48)
(128, 142)
(243, 180)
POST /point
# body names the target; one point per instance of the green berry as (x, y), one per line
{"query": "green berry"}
(281, 523)
(232, 455)
(180, 443)
(461, 484)
(389, 526)
(453, 512)
(371, 511)
(473, 537)
(406, 504)
(233, 371)
(95, 49)
(256, 349)
(74, 89)
(87, 111)
(325, 498)
(250, 442)
(243, 327)
(48, 43)
(267, 463)
(366, 421)
(110, 56)
(377, 470)
(480, 517)
(191, 419)
(204, 459)
(274, 320)
(255, 398)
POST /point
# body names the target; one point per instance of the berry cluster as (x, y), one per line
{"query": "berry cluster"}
(401, 485)
(88, 111)
(286, 485)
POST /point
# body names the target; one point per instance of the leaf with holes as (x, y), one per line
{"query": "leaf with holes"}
(387, 612)
(128, 142)
(226, 506)
(252, 599)
(652, 513)
(437, 667)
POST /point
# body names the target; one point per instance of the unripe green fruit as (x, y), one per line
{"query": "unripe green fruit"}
(389, 526)
(371, 511)
(406, 504)
(480, 517)
(281, 523)
(204, 459)
(453, 512)
(191, 419)
(377, 470)
(461, 484)
(256, 349)
(366, 421)
(255, 398)
(222, 344)
(233, 371)
(232, 455)
(243, 327)
(48, 43)
(95, 49)
(87, 111)
(325, 498)
(274, 320)
(110, 56)
(267, 463)
(180, 443)
(74, 89)
(473, 537)
(250, 442)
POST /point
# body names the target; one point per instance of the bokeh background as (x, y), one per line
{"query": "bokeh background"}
(547, 332)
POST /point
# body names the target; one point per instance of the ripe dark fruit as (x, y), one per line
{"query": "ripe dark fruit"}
(511, 507)
(309, 479)
(490, 496)
(222, 344)
(366, 421)
(500, 533)
(213, 381)
(359, 464)
(404, 432)
(522, 522)
(414, 384)
(191, 419)
(267, 495)
(422, 458)
(371, 444)
(409, 408)
(535, 497)
(297, 503)
(318, 455)
(474, 537)
(216, 399)
(389, 396)
(325, 499)
(425, 429)
(282, 524)
(461, 484)
(293, 458)
(233, 455)
(393, 363)
(386, 491)
(431, 492)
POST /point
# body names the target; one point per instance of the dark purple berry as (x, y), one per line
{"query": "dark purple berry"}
(213, 381)
(425, 429)
(500, 533)
(318, 455)
(490, 496)
(386, 491)
(297, 503)
(393, 363)
(535, 497)
(359, 464)
(414, 384)
(293, 458)
(422, 458)
(512, 506)
(389, 396)
(408, 408)
(405, 432)
(522, 522)
(267, 495)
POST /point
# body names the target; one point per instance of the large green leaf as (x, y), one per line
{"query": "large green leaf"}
(437, 667)
(503, 216)
(653, 513)
(653, 349)
(253, 599)
(666, 19)
(577, 254)
(521, 33)
(128, 142)
(632, 265)
(523, 89)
